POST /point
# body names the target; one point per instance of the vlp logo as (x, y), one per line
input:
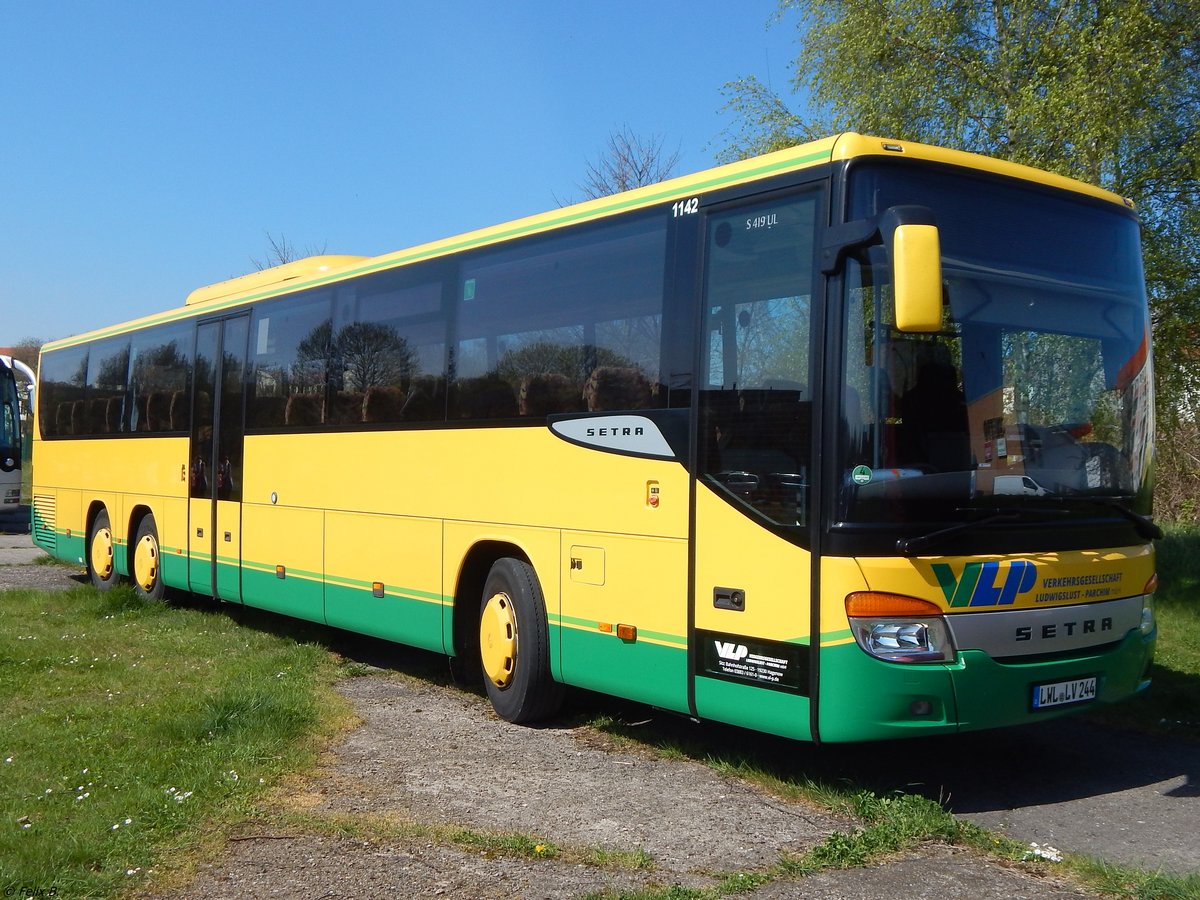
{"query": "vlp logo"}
(732, 651)
(981, 583)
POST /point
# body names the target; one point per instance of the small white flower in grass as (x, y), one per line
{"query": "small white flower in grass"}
(233, 776)
(1037, 851)
(10, 759)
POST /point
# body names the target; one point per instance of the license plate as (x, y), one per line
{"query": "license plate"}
(1078, 690)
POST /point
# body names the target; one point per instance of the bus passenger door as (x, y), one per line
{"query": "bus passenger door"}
(751, 638)
(215, 476)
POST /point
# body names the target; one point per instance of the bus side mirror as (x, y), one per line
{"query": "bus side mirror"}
(915, 251)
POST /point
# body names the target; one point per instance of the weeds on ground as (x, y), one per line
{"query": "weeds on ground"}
(131, 729)
(1171, 704)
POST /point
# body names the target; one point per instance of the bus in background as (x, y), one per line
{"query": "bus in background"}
(851, 441)
(11, 417)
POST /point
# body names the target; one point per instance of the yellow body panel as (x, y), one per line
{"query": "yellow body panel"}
(148, 473)
(457, 479)
(644, 584)
(402, 553)
(284, 536)
(777, 586)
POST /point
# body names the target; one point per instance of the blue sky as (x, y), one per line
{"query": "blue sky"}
(146, 148)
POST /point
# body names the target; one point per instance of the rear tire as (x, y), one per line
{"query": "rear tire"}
(101, 563)
(146, 568)
(514, 644)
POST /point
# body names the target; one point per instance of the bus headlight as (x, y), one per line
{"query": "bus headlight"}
(1147, 614)
(1148, 604)
(899, 629)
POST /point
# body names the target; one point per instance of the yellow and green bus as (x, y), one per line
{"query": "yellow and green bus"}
(851, 441)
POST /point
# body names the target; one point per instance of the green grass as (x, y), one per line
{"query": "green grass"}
(131, 733)
(1172, 702)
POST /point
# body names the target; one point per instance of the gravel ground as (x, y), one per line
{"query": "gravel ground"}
(427, 753)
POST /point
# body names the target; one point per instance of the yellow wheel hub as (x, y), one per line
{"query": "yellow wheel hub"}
(145, 562)
(102, 553)
(498, 640)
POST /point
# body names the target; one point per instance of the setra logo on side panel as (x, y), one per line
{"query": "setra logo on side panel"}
(981, 583)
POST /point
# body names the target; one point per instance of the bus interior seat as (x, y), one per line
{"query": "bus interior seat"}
(114, 414)
(180, 413)
(78, 418)
(97, 422)
(62, 418)
(158, 412)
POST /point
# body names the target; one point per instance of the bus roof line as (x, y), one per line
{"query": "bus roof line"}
(790, 159)
(849, 145)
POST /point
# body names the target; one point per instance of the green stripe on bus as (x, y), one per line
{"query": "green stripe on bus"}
(674, 640)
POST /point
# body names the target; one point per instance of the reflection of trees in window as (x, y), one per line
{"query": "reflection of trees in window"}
(772, 341)
(575, 361)
(366, 354)
(313, 354)
(160, 367)
(1057, 378)
(113, 371)
(638, 337)
(373, 355)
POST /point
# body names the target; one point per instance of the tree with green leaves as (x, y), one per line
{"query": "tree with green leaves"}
(1107, 91)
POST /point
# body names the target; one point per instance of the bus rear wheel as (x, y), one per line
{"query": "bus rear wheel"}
(147, 562)
(100, 562)
(514, 644)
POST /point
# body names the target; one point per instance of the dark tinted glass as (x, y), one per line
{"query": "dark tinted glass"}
(108, 371)
(160, 363)
(564, 323)
(61, 406)
(291, 342)
(388, 354)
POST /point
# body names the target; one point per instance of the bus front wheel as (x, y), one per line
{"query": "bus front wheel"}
(101, 565)
(514, 644)
(147, 563)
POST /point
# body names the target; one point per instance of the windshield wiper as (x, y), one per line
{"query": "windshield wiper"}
(914, 545)
(1144, 525)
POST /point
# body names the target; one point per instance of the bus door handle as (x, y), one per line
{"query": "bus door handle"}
(729, 598)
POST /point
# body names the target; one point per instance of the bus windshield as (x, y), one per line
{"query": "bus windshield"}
(10, 426)
(1036, 390)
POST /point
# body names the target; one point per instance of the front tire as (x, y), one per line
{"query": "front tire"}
(514, 644)
(147, 561)
(101, 564)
